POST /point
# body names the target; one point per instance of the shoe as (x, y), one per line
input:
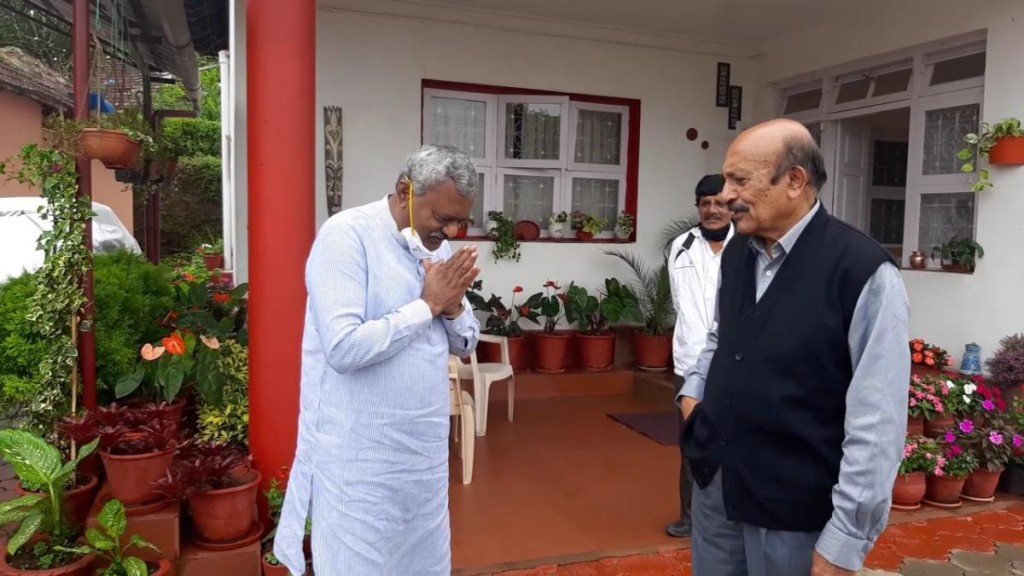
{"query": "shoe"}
(680, 529)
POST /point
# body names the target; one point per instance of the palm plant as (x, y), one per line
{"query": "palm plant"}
(654, 292)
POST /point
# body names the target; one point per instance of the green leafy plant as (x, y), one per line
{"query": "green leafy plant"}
(593, 224)
(962, 251)
(106, 542)
(653, 292)
(502, 320)
(593, 315)
(20, 348)
(559, 218)
(505, 244)
(228, 423)
(551, 307)
(982, 143)
(37, 464)
(58, 302)
(624, 225)
(177, 361)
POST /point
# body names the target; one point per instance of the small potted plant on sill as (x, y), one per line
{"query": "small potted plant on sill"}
(624, 226)
(213, 254)
(1006, 366)
(42, 519)
(551, 347)
(221, 488)
(960, 254)
(502, 230)
(1002, 143)
(556, 225)
(946, 482)
(105, 544)
(589, 227)
(594, 316)
(920, 456)
(652, 344)
(504, 321)
(464, 229)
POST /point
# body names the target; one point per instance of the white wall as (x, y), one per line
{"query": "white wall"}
(372, 66)
(947, 309)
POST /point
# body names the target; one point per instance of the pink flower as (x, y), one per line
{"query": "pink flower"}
(950, 437)
(955, 451)
(1017, 441)
(988, 405)
(967, 426)
(913, 402)
(995, 438)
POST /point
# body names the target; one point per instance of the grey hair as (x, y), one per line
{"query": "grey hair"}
(801, 151)
(431, 166)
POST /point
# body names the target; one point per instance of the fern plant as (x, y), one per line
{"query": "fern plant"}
(38, 464)
(653, 292)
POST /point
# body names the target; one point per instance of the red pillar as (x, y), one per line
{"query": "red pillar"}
(281, 111)
(87, 339)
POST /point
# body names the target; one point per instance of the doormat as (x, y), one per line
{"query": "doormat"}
(662, 427)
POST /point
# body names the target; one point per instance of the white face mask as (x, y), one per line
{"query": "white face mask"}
(412, 238)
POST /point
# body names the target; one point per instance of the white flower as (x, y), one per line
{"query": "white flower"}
(967, 399)
(949, 384)
(970, 388)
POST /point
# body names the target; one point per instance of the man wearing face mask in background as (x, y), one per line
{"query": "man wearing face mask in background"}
(693, 274)
(386, 307)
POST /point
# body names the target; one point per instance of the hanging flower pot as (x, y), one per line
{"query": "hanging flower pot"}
(653, 353)
(112, 147)
(1008, 150)
(550, 352)
(981, 484)
(909, 489)
(944, 489)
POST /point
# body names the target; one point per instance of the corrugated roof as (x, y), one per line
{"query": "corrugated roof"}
(30, 77)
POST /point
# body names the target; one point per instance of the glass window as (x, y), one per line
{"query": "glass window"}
(803, 101)
(529, 198)
(887, 220)
(598, 137)
(460, 123)
(944, 216)
(944, 131)
(598, 197)
(955, 69)
(853, 91)
(532, 131)
(892, 82)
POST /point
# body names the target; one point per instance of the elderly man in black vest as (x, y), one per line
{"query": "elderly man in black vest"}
(795, 412)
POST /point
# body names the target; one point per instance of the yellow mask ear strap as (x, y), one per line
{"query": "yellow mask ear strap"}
(412, 193)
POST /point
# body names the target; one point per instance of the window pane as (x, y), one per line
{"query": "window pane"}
(802, 101)
(598, 197)
(887, 220)
(478, 203)
(944, 216)
(532, 131)
(529, 198)
(852, 91)
(460, 123)
(889, 167)
(944, 132)
(962, 68)
(892, 82)
(598, 137)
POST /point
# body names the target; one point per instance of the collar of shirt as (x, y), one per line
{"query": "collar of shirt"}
(383, 210)
(785, 244)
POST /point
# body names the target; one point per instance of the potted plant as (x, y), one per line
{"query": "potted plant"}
(181, 360)
(1012, 480)
(551, 347)
(927, 358)
(920, 456)
(42, 518)
(105, 544)
(932, 398)
(624, 226)
(213, 254)
(946, 482)
(1006, 366)
(275, 501)
(137, 446)
(993, 448)
(502, 230)
(221, 488)
(464, 229)
(1002, 143)
(652, 343)
(504, 321)
(593, 316)
(556, 225)
(959, 254)
(587, 226)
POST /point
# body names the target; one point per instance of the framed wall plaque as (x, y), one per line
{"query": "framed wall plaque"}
(722, 92)
(333, 151)
(735, 106)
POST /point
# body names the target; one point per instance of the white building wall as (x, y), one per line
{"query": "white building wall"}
(947, 309)
(372, 66)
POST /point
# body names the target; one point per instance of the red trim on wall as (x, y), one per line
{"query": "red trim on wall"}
(632, 142)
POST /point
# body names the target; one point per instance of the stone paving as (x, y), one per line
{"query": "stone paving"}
(985, 543)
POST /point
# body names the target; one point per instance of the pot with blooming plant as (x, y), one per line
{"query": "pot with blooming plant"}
(551, 347)
(1002, 143)
(556, 225)
(927, 358)
(213, 254)
(920, 455)
(952, 467)
(993, 447)
(504, 321)
(624, 226)
(1006, 366)
(930, 397)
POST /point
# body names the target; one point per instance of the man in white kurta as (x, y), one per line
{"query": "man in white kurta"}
(694, 262)
(371, 465)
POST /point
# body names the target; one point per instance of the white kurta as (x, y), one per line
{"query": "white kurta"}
(693, 275)
(371, 465)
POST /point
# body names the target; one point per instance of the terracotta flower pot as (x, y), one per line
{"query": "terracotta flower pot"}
(77, 501)
(274, 570)
(213, 261)
(944, 489)
(915, 426)
(227, 514)
(517, 353)
(938, 426)
(80, 567)
(131, 477)
(549, 356)
(1007, 150)
(982, 483)
(163, 567)
(584, 236)
(652, 352)
(597, 353)
(909, 489)
(114, 148)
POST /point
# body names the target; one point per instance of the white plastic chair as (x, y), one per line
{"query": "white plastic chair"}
(465, 423)
(486, 373)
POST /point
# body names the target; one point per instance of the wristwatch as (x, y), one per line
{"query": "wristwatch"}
(462, 308)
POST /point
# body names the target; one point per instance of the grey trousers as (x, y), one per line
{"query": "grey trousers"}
(725, 548)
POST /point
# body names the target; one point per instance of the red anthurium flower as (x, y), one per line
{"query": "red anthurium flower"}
(189, 278)
(525, 311)
(221, 297)
(174, 344)
(517, 289)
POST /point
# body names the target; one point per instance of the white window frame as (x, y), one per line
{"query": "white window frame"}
(556, 194)
(786, 93)
(574, 111)
(563, 137)
(567, 195)
(490, 130)
(927, 69)
(486, 199)
(871, 99)
(918, 183)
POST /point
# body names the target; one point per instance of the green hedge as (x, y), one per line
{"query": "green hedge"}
(191, 137)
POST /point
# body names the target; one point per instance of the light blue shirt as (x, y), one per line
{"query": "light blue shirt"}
(876, 402)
